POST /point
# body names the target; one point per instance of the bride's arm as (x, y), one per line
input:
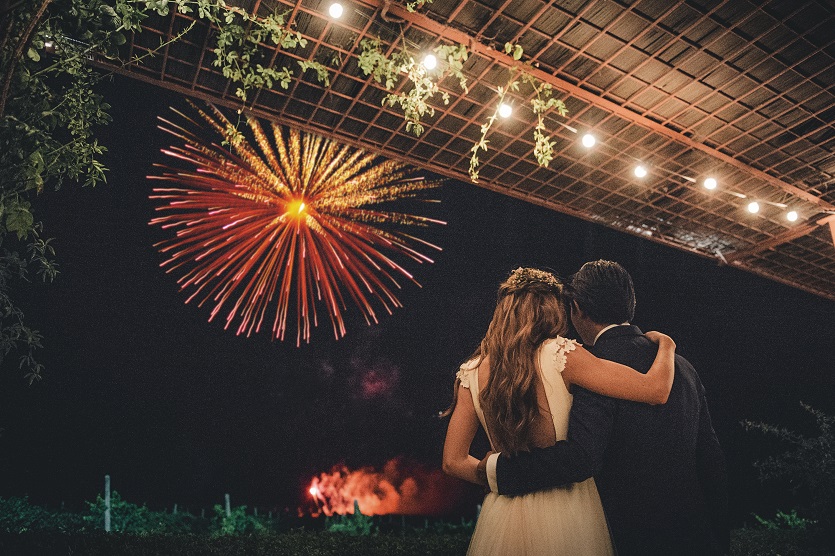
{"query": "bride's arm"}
(619, 381)
(463, 425)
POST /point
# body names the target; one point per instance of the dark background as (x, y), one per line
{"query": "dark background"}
(177, 410)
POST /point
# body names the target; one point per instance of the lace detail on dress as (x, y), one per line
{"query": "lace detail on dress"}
(564, 346)
(464, 376)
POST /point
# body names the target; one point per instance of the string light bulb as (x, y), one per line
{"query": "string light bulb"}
(335, 10)
(589, 140)
(753, 207)
(430, 62)
(640, 171)
(505, 110)
(791, 216)
(710, 183)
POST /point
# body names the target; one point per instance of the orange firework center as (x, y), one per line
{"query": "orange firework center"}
(397, 488)
(296, 207)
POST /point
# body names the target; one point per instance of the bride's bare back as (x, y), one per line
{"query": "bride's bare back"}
(543, 433)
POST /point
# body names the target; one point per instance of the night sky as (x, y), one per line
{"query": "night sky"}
(177, 410)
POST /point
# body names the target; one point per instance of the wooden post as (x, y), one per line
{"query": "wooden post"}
(228, 506)
(175, 509)
(107, 503)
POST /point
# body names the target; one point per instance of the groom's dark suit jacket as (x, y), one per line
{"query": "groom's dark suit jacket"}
(659, 469)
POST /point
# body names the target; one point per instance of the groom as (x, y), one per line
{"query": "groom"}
(659, 469)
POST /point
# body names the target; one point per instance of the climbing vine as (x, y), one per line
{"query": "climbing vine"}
(415, 100)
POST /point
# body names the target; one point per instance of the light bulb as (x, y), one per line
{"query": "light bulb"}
(589, 140)
(640, 171)
(753, 207)
(430, 62)
(710, 183)
(505, 110)
(791, 216)
(335, 10)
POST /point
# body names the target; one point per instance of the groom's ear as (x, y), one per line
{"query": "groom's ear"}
(575, 308)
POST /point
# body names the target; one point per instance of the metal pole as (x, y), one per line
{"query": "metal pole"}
(107, 503)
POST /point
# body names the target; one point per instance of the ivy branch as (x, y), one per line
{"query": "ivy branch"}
(240, 35)
(415, 102)
(416, 5)
(542, 101)
(481, 144)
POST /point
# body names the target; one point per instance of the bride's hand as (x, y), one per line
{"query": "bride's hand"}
(658, 337)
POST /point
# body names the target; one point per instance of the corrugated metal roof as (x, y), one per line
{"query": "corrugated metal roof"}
(743, 91)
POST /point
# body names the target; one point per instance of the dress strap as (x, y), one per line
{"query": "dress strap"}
(564, 347)
(468, 375)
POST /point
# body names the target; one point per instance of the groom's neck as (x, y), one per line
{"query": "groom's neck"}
(588, 330)
(590, 334)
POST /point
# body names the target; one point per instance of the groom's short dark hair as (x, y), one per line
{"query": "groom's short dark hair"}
(603, 290)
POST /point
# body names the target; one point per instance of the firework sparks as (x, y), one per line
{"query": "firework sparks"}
(290, 222)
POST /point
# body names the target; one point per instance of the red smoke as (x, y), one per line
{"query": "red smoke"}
(399, 488)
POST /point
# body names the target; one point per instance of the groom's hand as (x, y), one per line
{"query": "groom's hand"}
(481, 470)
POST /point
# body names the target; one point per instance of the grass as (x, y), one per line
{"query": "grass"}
(273, 544)
(745, 542)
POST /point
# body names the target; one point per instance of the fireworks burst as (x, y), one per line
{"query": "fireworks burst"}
(400, 487)
(295, 222)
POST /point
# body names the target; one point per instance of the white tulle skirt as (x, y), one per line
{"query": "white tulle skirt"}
(561, 521)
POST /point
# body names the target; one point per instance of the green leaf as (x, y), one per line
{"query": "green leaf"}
(118, 39)
(19, 220)
(33, 55)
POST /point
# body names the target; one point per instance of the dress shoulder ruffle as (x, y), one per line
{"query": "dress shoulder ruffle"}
(564, 347)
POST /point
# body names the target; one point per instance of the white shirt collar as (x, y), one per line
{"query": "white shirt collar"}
(599, 334)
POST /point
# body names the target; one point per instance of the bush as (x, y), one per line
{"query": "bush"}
(783, 520)
(126, 517)
(269, 543)
(18, 515)
(778, 542)
(351, 524)
(236, 523)
(808, 465)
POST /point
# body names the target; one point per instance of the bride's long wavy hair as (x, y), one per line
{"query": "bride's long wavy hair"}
(530, 309)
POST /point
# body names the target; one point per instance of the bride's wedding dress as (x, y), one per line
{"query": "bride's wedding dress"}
(566, 520)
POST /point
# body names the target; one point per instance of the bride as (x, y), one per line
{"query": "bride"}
(519, 390)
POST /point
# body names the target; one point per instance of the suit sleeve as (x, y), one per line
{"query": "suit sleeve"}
(568, 461)
(710, 461)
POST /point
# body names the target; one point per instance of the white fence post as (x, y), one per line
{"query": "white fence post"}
(228, 506)
(107, 503)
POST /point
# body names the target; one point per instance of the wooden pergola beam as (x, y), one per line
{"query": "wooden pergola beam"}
(789, 235)
(456, 36)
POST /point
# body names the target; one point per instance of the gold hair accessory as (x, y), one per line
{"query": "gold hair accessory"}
(523, 276)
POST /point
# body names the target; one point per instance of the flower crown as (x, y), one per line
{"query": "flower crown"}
(524, 276)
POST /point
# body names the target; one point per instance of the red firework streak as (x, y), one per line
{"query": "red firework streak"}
(291, 223)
